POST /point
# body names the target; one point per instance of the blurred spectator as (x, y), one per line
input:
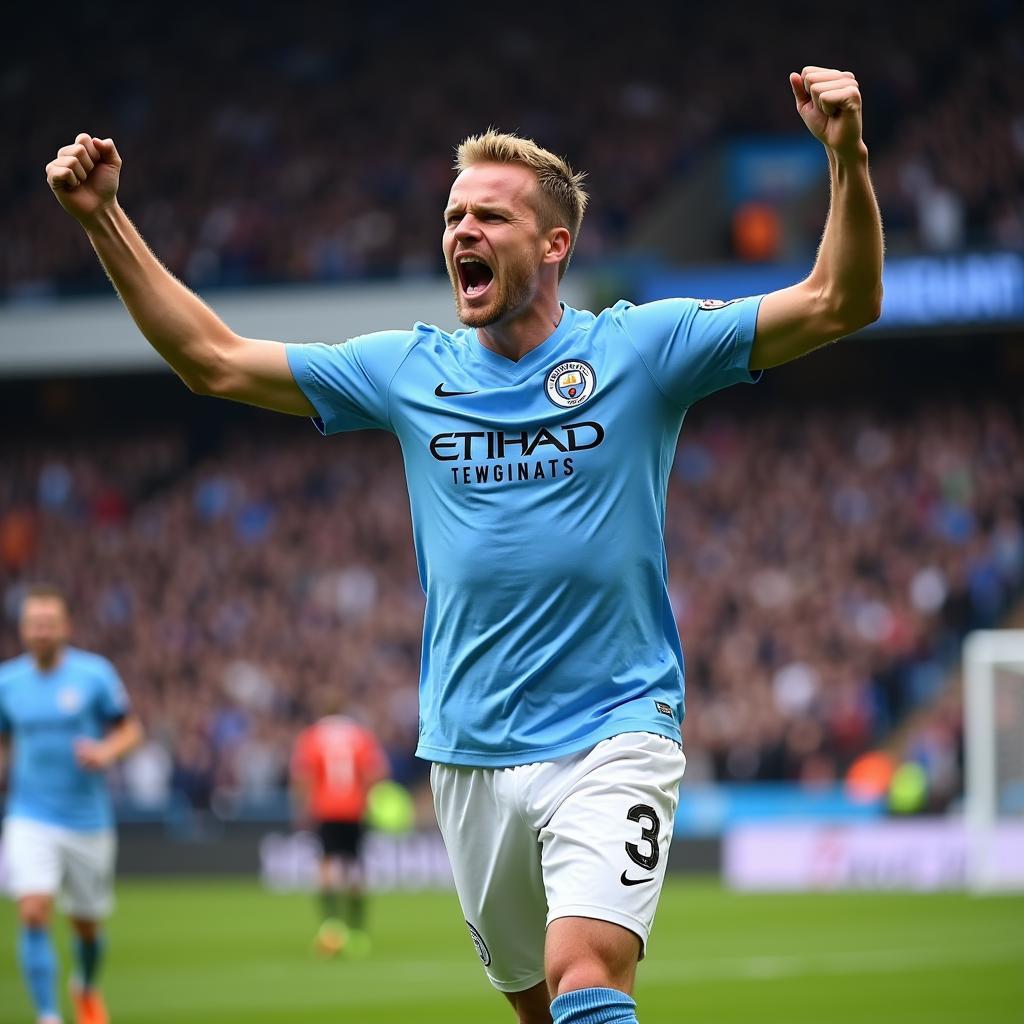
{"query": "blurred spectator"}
(756, 232)
(824, 565)
(293, 166)
(147, 776)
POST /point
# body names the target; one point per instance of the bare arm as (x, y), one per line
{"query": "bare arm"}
(208, 356)
(844, 289)
(97, 755)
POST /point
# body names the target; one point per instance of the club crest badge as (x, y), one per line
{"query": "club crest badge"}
(481, 947)
(69, 700)
(715, 303)
(570, 383)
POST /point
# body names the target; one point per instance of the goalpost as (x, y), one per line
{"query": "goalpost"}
(993, 674)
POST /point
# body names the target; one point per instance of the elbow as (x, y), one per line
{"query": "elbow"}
(207, 382)
(194, 381)
(875, 306)
(855, 316)
(211, 377)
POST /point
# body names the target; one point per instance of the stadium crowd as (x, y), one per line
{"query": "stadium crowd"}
(824, 564)
(314, 159)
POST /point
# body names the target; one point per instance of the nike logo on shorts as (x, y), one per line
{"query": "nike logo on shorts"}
(626, 880)
(441, 393)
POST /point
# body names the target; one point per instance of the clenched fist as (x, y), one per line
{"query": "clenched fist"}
(84, 176)
(829, 103)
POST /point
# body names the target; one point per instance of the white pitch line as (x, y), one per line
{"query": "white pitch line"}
(873, 961)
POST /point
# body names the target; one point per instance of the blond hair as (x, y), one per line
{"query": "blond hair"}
(562, 200)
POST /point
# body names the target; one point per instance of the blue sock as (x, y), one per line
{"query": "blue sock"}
(88, 956)
(39, 968)
(594, 1006)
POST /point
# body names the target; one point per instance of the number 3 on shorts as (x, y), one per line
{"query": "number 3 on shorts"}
(648, 833)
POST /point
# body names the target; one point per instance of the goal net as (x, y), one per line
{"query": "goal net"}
(993, 662)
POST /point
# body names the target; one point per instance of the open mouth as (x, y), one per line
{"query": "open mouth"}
(475, 276)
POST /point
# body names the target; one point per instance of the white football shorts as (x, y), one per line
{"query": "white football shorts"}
(583, 836)
(77, 866)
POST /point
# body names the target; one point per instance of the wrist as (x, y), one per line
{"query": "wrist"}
(855, 156)
(102, 220)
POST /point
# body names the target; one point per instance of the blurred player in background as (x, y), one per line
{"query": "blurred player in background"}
(335, 764)
(537, 444)
(68, 716)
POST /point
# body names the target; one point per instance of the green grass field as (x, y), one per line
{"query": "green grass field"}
(230, 953)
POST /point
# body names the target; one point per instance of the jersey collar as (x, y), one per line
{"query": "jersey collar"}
(522, 368)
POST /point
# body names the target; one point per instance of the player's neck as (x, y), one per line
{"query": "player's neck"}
(520, 334)
(48, 661)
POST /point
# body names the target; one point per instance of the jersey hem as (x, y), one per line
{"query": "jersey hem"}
(55, 822)
(743, 344)
(302, 374)
(513, 759)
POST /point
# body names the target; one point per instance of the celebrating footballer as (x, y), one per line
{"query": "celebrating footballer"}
(537, 441)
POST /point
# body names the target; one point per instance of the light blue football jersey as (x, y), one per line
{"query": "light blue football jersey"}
(538, 491)
(44, 713)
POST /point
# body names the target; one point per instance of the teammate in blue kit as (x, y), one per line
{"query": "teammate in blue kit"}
(538, 442)
(67, 714)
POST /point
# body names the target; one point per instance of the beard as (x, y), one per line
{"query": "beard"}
(512, 288)
(45, 652)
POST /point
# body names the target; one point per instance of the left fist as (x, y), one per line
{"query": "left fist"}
(829, 103)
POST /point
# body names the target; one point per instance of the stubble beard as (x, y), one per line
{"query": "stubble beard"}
(46, 652)
(513, 290)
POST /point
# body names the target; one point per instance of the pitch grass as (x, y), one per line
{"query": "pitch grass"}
(227, 952)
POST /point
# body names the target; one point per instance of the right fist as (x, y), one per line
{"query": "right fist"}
(84, 176)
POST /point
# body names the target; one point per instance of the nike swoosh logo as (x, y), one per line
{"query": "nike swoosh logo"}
(626, 880)
(441, 393)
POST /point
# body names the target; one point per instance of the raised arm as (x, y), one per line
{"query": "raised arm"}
(844, 289)
(204, 352)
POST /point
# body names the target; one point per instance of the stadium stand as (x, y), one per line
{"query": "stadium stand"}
(825, 564)
(312, 160)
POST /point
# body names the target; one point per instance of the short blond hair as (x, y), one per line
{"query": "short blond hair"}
(562, 200)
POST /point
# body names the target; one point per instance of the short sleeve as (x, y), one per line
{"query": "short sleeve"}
(113, 697)
(348, 384)
(693, 347)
